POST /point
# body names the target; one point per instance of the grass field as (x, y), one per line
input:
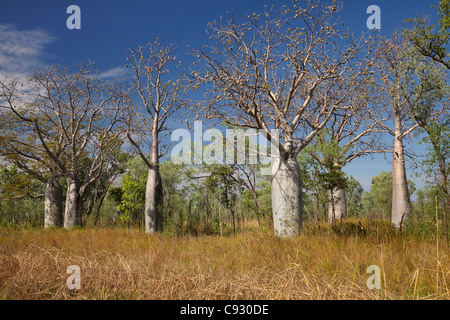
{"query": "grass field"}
(320, 264)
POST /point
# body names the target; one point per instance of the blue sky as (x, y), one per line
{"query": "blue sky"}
(109, 28)
(34, 33)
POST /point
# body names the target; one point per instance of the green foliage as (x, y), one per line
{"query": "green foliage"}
(115, 194)
(330, 157)
(15, 183)
(437, 142)
(263, 192)
(133, 190)
(174, 190)
(354, 192)
(377, 203)
(321, 166)
(424, 213)
(423, 82)
(20, 198)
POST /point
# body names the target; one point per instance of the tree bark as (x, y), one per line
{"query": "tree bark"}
(53, 204)
(153, 211)
(72, 215)
(337, 208)
(401, 205)
(442, 170)
(233, 217)
(444, 182)
(220, 220)
(445, 202)
(286, 196)
(316, 204)
(105, 192)
(153, 202)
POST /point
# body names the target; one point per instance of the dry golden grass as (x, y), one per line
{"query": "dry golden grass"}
(320, 264)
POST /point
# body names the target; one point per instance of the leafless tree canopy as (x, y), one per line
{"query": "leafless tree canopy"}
(65, 125)
(288, 69)
(154, 96)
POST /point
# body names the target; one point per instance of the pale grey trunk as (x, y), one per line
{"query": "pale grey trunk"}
(154, 192)
(286, 196)
(72, 214)
(153, 202)
(401, 205)
(53, 204)
(337, 208)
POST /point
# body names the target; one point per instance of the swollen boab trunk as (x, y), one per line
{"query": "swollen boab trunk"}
(286, 196)
(401, 205)
(337, 208)
(53, 204)
(72, 214)
(153, 202)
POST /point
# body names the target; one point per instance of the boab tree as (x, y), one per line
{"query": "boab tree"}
(154, 96)
(410, 87)
(285, 69)
(21, 146)
(74, 117)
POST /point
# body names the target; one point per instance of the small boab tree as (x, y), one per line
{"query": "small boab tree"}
(155, 95)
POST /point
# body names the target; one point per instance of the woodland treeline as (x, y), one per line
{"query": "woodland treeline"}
(79, 150)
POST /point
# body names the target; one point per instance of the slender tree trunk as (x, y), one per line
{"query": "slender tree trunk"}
(220, 220)
(105, 192)
(238, 218)
(443, 172)
(316, 197)
(72, 215)
(331, 211)
(92, 203)
(257, 218)
(53, 204)
(233, 218)
(260, 208)
(444, 184)
(401, 205)
(154, 193)
(180, 222)
(189, 218)
(208, 209)
(337, 208)
(316, 207)
(286, 196)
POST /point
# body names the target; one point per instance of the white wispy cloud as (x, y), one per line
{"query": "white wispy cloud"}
(22, 50)
(116, 72)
